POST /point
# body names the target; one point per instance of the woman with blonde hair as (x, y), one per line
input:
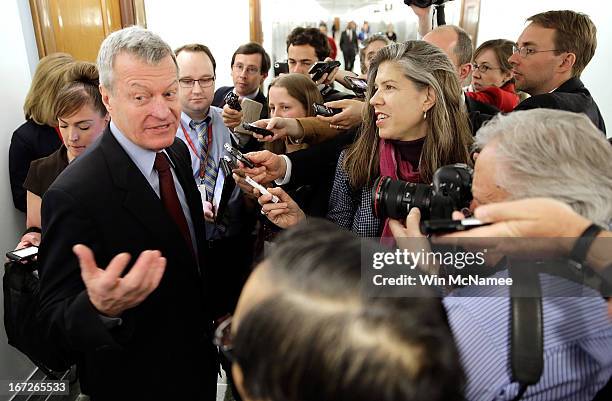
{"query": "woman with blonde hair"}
(38, 136)
(81, 117)
(414, 124)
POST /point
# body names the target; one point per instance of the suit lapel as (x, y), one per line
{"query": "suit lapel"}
(139, 199)
(179, 154)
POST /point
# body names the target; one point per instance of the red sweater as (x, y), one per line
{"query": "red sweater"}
(504, 98)
(333, 50)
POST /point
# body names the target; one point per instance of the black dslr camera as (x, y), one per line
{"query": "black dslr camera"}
(438, 8)
(425, 3)
(451, 190)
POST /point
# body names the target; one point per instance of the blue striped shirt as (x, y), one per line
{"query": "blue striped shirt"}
(577, 341)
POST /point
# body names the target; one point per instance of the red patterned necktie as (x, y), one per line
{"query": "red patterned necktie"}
(169, 197)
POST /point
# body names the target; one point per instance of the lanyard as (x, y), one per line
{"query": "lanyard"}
(195, 150)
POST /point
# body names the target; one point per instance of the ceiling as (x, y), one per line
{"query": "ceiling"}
(339, 7)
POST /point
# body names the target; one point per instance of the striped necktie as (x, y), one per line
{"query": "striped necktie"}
(206, 157)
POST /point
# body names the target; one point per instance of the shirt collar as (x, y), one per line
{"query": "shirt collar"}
(186, 120)
(143, 158)
(250, 95)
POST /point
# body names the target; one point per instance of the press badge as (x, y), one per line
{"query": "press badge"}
(202, 189)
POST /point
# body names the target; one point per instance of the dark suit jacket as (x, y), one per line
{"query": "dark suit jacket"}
(315, 167)
(162, 350)
(348, 47)
(570, 96)
(219, 100)
(30, 142)
(475, 110)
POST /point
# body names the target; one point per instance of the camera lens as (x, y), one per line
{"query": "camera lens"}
(394, 198)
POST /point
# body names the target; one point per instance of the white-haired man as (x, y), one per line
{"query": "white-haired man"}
(524, 154)
(142, 333)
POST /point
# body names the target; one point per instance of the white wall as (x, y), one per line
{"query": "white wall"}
(501, 19)
(16, 41)
(220, 25)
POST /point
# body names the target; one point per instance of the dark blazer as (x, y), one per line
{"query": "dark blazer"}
(30, 142)
(162, 350)
(219, 100)
(478, 112)
(315, 167)
(349, 47)
(570, 96)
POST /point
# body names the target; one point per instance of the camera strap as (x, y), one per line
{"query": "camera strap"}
(526, 325)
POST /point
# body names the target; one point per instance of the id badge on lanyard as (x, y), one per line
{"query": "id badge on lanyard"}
(202, 189)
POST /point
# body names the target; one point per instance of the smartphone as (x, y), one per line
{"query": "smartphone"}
(238, 155)
(257, 130)
(23, 254)
(260, 188)
(357, 85)
(448, 226)
(322, 110)
(320, 68)
(281, 67)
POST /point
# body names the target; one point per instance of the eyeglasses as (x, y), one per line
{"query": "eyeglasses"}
(203, 82)
(223, 338)
(483, 68)
(525, 51)
(250, 70)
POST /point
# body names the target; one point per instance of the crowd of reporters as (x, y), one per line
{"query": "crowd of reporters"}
(514, 115)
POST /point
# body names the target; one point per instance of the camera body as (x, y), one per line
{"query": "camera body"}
(425, 3)
(451, 190)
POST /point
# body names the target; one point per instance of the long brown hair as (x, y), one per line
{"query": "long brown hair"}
(448, 135)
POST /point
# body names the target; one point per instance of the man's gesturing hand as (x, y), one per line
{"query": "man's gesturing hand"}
(112, 294)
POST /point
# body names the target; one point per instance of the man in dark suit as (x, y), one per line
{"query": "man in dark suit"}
(140, 329)
(349, 45)
(550, 55)
(250, 65)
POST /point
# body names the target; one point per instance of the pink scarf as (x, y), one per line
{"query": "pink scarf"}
(393, 165)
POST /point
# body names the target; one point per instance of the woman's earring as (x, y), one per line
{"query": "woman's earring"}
(425, 115)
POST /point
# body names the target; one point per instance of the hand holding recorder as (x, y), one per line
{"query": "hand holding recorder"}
(284, 213)
(349, 115)
(268, 167)
(280, 127)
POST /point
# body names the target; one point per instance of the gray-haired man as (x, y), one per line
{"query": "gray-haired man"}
(138, 330)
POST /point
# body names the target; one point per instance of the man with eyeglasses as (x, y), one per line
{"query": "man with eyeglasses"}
(228, 225)
(250, 65)
(548, 59)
